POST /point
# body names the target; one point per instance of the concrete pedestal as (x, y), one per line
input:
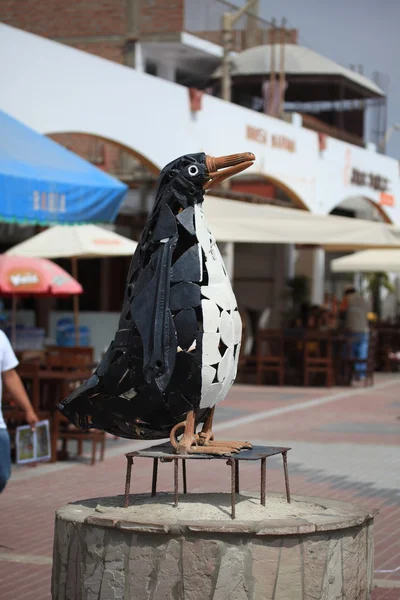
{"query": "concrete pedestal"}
(311, 549)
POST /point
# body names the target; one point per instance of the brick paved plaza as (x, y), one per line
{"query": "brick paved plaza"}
(345, 446)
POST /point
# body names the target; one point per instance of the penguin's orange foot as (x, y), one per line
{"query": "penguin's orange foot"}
(206, 440)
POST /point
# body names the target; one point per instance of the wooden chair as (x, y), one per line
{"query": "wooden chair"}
(74, 358)
(62, 429)
(247, 360)
(270, 354)
(318, 357)
(35, 356)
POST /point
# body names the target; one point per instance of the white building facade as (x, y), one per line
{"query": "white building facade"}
(53, 89)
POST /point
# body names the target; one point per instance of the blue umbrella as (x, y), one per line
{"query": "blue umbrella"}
(44, 183)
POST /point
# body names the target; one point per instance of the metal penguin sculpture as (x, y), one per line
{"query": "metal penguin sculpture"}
(175, 353)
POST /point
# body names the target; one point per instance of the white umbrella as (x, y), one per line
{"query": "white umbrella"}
(74, 242)
(369, 261)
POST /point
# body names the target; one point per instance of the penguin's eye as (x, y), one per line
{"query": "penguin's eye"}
(193, 170)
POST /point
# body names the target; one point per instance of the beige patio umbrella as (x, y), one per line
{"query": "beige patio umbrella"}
(369, 261)
(75, 242)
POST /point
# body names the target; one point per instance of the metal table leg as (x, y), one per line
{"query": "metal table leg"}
(237, 476)
(184, 476)
(176, 482)
(231, 462)
(154, 480)
(128, 480)
(263, 480)
(285, 469)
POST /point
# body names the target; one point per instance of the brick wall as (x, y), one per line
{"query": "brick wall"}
(161, 16)
(104, 155)
(80, 18)
(96, 26)
(66, 18)
(110, 50)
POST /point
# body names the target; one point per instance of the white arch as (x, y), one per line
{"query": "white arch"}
(133, 151)
(297, 200)
(380, 209)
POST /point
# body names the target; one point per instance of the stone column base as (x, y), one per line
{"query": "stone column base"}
(312, 549)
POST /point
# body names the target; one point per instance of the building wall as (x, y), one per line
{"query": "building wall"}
(153, 117)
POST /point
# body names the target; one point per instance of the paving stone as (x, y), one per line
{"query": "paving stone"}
(199, 566)
(93, 557)
(362, 564)
(144, 558)
(169, 576)
(350, 563)
(74, 583)
(370, 555)
(230, 582)
(332, 585)
(290, 571)
(346, 427)
(315, 554)
(265, 562)
(63, 544)
(113, 581)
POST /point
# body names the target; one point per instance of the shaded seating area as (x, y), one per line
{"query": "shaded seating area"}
(306, 357)
(49, 376)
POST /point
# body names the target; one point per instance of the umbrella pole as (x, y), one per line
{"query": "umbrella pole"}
(75, 301)
(14, 321)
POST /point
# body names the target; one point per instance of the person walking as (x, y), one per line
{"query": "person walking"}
(13, 384)
(354, 315)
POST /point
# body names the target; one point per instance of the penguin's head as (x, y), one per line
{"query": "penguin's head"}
(194, 173)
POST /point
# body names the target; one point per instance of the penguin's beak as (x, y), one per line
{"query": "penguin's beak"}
(219, 169)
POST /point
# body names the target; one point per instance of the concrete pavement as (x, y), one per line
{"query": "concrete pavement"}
(345, 445)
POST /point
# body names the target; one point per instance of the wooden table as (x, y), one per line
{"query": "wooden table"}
(39, 376)
(294, 344)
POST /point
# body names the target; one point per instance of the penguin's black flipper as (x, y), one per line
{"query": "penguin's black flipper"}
(153, 319)
(77, 406)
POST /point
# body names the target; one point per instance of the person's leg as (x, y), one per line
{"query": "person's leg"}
(5, 458)
(363, 352)
(355, 353)
(360, 350)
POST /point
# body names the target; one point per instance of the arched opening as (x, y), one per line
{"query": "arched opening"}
(361, 207)
(137, 171)
(356, 207)
(103, 152)
(260, 188)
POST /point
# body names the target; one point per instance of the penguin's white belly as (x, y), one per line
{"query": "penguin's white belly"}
(222, 326)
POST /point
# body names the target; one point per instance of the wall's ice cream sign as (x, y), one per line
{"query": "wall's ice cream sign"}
(24, 279)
